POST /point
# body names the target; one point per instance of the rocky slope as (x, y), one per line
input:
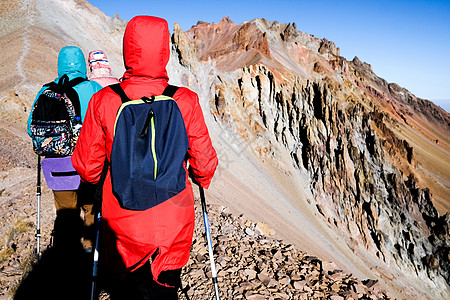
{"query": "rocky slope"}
(336, 161)
(359, 139)
(252, 264)
(31, 34)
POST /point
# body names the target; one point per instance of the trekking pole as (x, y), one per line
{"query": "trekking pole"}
(208, 238)
(38, 194)
(98, 200)
(95, 265)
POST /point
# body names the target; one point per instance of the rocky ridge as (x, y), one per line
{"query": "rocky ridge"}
(252, 264)
(339, 123)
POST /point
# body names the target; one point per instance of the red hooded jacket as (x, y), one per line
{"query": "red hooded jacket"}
(131, 237)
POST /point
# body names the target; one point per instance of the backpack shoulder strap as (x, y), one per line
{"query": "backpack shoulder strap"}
(66, 86)
(50, 84)
(170, 90)
(64, 81)
(116, 88)
(76, 81)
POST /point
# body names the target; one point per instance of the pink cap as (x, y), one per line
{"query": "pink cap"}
(98, 60)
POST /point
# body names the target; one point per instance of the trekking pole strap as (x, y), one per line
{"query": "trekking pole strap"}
(99, 190)
(98, 196)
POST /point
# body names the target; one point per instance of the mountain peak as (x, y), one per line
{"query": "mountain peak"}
(226, 19)
(238, 44)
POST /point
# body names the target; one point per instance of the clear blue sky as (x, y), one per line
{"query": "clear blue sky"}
(406, 42)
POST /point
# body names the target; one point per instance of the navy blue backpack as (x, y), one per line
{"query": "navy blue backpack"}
(149, 149)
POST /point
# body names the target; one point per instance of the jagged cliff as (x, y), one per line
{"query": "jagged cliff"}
(342, 125)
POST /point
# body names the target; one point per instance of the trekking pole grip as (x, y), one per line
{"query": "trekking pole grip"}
(38, 218)
(202, 198)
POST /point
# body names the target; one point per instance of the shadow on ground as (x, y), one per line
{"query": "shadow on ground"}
(65, 269)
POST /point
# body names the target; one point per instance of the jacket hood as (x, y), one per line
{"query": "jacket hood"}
(71, 60)
(146, 47)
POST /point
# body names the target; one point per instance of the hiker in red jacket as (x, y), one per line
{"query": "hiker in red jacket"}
(163, 233)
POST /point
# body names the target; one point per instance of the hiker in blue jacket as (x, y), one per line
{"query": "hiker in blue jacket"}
(71, 62)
